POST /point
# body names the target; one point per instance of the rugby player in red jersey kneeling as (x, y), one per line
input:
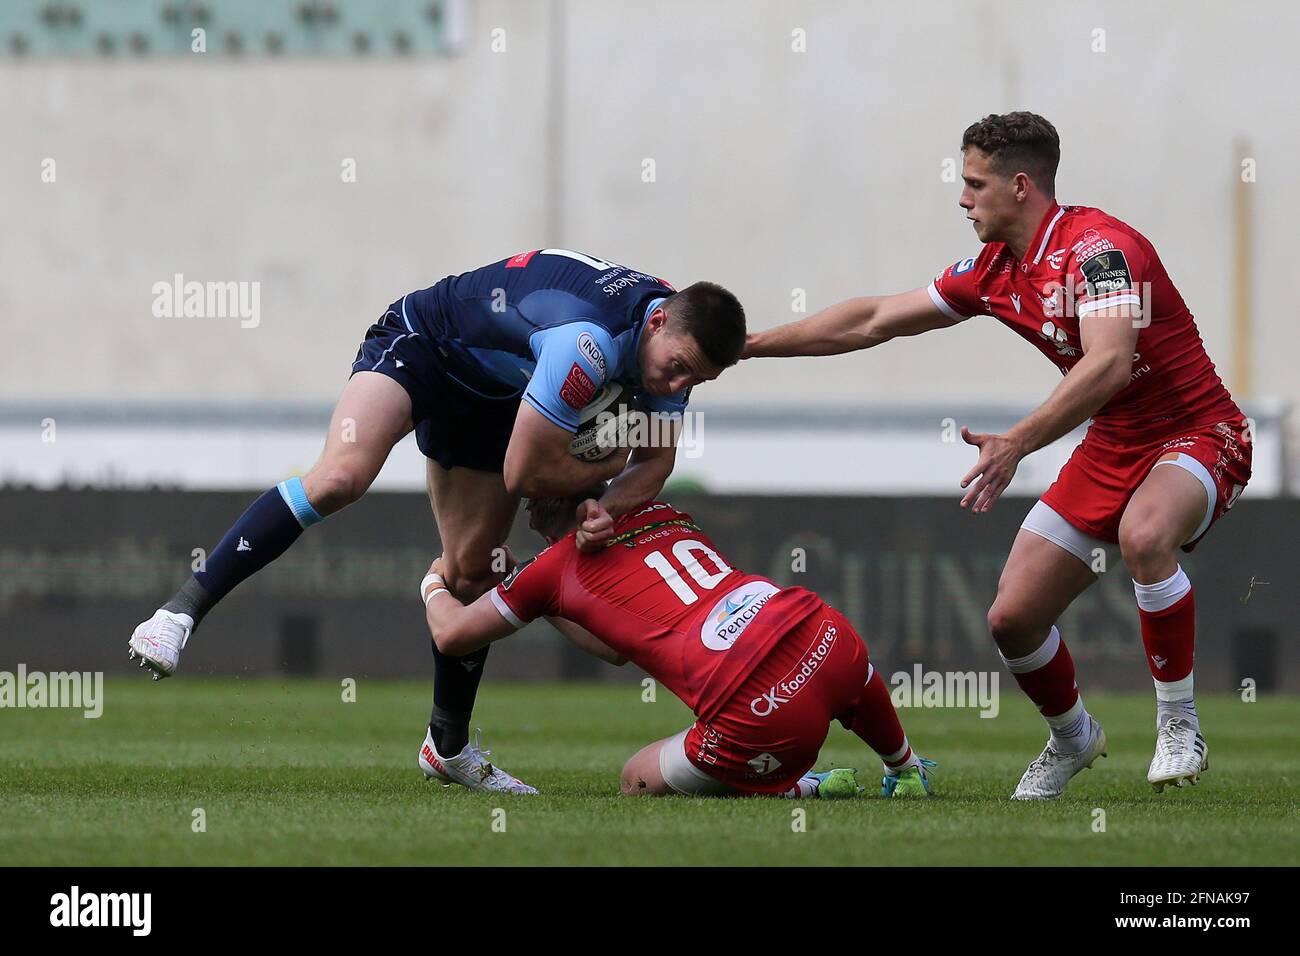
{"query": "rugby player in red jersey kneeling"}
(765, 669)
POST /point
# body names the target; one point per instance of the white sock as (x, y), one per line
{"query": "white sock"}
(1185, 709)
(803, 787)
(1070, 729)
(1175, 699)
(912, 761)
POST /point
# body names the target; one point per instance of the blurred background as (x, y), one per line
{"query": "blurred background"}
(316, 160)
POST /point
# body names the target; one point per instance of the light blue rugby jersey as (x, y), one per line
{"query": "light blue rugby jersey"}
(552, 326)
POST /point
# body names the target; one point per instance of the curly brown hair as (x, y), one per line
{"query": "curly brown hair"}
(1018, 142)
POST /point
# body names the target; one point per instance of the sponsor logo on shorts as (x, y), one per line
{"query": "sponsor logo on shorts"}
(578, 388)
(591, 352)
(727, 620)
(764, 763)
(710, 743)
(784, 690)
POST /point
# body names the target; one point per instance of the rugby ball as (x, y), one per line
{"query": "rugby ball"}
(603, 424)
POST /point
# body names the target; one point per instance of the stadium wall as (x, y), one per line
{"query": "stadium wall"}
(79, 569)
(796, 153)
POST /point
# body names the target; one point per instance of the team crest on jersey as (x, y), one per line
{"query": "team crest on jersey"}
(589, 350)
(578, 388)
(1107, 272)
(1090, 243)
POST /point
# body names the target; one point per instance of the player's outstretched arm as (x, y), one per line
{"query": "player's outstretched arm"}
(851, 325)
(538, 463)
(459, 629)
(1108, 342)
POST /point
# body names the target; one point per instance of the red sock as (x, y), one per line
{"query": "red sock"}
(874, 719)
(1168, 613)
(1047, 676)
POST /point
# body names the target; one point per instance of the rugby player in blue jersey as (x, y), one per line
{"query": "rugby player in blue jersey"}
(490, 369)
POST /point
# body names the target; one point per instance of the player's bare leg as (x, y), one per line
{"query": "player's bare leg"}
(1170, 507)
(642, 776)
(647, 773)
(474, 513)
(1040, 580)
(371, 416)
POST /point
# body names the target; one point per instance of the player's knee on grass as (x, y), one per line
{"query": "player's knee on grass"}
(641, 776)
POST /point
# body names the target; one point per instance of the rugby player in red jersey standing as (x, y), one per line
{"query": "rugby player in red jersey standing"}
(1167, 453)
(764, 668)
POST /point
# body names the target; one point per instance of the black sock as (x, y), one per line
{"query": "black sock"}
(450, 731)
(264, 532)
(191, 599)
(455, 685)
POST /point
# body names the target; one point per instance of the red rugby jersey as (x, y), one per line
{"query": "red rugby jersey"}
(663, 597)
(1081, 261)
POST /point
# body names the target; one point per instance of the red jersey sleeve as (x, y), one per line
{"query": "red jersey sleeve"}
(1110, 268)
(532, 590)
(955, 291)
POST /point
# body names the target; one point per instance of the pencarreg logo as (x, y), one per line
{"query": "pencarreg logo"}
(76, 908)
(728, 618)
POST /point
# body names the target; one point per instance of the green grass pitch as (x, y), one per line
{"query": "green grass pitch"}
(288, 773)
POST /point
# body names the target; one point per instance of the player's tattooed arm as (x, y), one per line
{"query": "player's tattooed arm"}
(538, 463)
(851, 325)
(1108, 342)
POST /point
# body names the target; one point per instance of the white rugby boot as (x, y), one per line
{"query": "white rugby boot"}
(158, 642)
(1047, 777)
(1181, 754)
(468, 768)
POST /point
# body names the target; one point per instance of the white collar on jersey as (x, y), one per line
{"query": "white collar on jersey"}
(1042, 246)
